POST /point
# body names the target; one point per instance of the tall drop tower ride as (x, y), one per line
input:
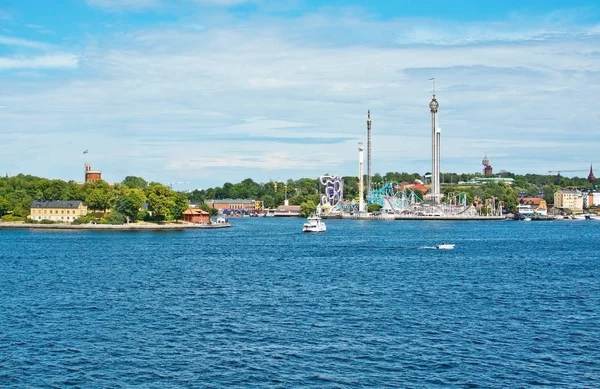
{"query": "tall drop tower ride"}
(435, 148)
(369, 185)
(361, 186)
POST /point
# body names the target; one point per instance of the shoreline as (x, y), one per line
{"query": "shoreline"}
(113, 227)
(407, 217)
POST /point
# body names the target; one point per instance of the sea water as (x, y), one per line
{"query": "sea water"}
(365, 304)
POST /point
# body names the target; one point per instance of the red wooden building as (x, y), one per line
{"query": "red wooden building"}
(196, 216)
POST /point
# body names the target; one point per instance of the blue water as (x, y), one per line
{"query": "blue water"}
(366, 304)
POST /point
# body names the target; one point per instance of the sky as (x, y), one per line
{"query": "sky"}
(203, 92)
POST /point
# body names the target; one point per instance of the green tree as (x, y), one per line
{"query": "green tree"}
(373, 208)
(56, 190)
(209, 209)
(160, 201)
(113, 217)
(98, 200)
(307, 208)
(180, 204)
(98, 195)
(129, 203)
(351, 188)
(73, 191)
(196, 197)
(4, 206)
(134, 182)
(268, 201)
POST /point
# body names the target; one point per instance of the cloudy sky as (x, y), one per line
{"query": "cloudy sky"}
(208, 91)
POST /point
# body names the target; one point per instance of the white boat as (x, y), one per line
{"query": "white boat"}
(527, 219)
(445, 246)
(314, 224)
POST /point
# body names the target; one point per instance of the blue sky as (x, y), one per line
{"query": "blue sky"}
(209, 91)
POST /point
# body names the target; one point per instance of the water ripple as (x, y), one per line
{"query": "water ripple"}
(263, 305)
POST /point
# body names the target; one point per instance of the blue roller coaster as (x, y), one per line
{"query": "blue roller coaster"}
(389, 197)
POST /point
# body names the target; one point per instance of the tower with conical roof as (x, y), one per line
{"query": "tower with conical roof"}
(591, 178)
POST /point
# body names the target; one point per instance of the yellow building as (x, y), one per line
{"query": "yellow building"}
(569, 199)
(60, 211)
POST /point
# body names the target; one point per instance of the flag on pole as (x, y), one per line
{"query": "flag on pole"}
(85, 152)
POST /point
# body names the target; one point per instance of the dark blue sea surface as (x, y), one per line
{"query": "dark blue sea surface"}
(365, 304)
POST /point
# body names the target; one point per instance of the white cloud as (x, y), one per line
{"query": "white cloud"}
(11, 41)
(224, 3)
(233, 101)
(124, 5)
(56, 61)
(142, 5)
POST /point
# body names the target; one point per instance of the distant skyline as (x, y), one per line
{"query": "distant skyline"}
(210, 91)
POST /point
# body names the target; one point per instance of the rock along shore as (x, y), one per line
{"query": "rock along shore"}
(114, 227)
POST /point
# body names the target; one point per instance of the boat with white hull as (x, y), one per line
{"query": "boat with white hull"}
(445, 246)
(314, 224)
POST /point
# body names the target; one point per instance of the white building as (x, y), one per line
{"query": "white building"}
(591, 199)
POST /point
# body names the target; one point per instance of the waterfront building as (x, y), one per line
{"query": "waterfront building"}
(61, 211)
(569, 199)
(287, 210)
(591, 199)
(196, 215)
(531, 206)
(234, 205)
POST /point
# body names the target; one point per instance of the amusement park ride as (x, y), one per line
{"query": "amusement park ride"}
(396, 199)
(399, 201)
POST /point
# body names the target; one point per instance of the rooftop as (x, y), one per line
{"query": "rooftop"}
(230, 201)
(56, 204)
(195, 211)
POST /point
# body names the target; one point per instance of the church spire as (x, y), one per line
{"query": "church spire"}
(591, 177)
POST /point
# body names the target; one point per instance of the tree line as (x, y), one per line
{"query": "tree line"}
(127, 198)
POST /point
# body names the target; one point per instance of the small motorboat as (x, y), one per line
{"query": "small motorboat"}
(314, 224)
(445, 246)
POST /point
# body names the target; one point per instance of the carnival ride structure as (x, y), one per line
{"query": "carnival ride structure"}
(401, 200)
(331, 189)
